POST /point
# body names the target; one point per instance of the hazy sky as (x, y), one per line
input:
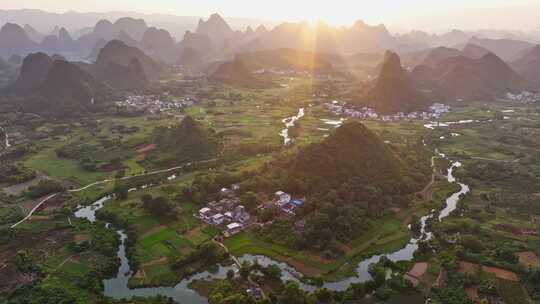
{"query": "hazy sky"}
(436, 14)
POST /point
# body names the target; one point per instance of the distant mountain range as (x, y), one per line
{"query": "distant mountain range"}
(528, 65)
(55, 86)
(124, 67)
(117, 52)
(81, 23)
(52, 84)
(464, 77)
(288, 59)
(236, 73)
(215, 39)
(128, 54)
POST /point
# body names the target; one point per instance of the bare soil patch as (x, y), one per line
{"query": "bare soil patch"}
(529, 259)
(160, 261)
(146, 148)
(472, 292)
(52, 204)
(20, 188)
(112, 167)
(301, 267)
(501, 274)
(81, 237)
(418, 270)
(40, 218)
(10, 278)
(469, 268)
(154, 231)
(140, 275)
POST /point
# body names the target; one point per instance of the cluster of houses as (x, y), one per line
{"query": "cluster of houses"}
(227, 212)
(292, 73)
(156, 104)
(231, 215)
(275, 71)
(524, 97)
(342, 109)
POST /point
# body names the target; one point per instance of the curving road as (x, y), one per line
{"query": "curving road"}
(100, 183)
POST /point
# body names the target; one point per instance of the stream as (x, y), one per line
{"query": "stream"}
(289, 123)
(117, 287)
(6, 138)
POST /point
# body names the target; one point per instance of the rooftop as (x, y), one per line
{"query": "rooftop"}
(234, 226)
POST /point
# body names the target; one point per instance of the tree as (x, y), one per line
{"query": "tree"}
(506, 254)
(378, 272)
(273, 272)
(159, 206)
(121, 190)
(416, 226)
(44, 187)
(293, 294)
(249, 199)
(472, 243)
(323, 295)
(245, 269)
(23, 261)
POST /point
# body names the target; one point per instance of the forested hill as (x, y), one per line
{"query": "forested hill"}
(351, 157)
(348, 179)
(353, 151)
(189, 140)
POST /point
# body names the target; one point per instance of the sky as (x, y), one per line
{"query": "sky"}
(434, 14)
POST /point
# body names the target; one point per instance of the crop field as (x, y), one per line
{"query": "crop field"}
(512, 292)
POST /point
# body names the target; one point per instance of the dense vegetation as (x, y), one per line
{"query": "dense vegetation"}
(15, 174)
(348, 178)
(189, 140)
(43, 188)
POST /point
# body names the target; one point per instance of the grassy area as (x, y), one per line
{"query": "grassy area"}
(46, 161)
(386, 235)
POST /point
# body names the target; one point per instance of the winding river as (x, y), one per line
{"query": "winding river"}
(289, 123)
(117, 287)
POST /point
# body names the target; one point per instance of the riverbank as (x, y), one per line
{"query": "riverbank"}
(118, 287)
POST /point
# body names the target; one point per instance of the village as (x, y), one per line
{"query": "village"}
(231, 215)
(156, 104)
(524, 97)
(342, 109)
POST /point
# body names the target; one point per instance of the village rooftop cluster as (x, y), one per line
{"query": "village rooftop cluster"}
(156, 104)
(342, 109)
(230, 214)
(524, 97)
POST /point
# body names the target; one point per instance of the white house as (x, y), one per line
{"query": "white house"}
(282, 198)
(234, 228)
(204, 213)
(218, 219)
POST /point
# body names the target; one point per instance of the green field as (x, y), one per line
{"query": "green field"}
(46, 161)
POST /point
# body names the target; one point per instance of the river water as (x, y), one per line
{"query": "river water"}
(117, 287)
(6, 138)
(289, 123)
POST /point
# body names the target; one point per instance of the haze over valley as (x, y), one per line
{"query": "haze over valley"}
(269, 152)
